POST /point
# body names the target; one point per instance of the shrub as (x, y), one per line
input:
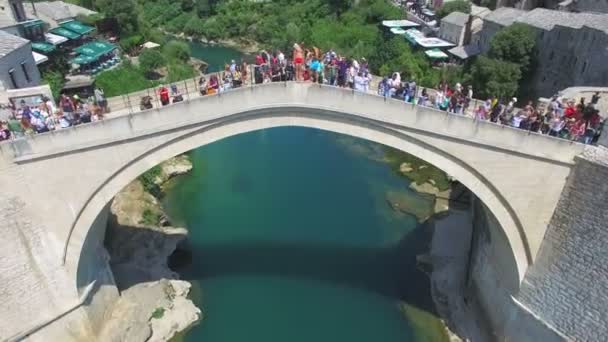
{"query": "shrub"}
(454, 6)
(55, 80)
(150, 60)
(148, 180)
(178, 50)
(158, 313)
(130, 43)
(150, 217)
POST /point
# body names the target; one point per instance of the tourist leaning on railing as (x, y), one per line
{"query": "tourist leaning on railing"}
(564, 119)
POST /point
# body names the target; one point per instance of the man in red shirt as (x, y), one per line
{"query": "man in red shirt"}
(164, 96)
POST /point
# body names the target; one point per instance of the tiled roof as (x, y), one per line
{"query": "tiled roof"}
(56, 10)
(547, 19)
(456, 18)
(504, 16)
(10, 43)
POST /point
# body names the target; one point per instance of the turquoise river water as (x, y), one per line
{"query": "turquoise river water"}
(293, 240)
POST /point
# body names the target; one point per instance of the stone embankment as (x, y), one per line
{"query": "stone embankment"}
(153, 304)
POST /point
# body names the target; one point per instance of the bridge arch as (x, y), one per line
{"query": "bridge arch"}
(303, 116)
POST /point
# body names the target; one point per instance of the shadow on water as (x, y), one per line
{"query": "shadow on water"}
(389, 271)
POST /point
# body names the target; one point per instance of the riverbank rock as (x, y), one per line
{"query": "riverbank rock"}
(153, 311)
(442, 198)
(179, 314)
(175, 166)
(405, 168)
(408, 203)
(130, 204)
(153, 304)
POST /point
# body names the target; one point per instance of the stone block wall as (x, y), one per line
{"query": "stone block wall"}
(568, 284)
(493, 277)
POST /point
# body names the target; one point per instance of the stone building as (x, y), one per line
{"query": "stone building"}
(453, 27)
(55, 12)
(15, 20)
(571, 47)
(17, 66)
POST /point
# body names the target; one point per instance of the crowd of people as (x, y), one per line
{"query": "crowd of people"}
(562, 118)
(45, 116)
(306, 65)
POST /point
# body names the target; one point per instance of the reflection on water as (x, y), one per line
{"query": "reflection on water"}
(293, 240)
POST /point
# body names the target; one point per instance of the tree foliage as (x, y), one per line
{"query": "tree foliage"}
(177, 50)
(514, 44)
(150, 60)
(493, 77)
(454, 6)
(55, 80)
(124, 11)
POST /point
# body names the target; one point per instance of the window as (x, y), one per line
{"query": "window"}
(24, 68)
(551, 55)
(584, 67)
(11, 73)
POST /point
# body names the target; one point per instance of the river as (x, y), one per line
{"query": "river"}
(293, 240)
(216, 56)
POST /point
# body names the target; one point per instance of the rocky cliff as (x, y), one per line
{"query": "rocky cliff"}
(153, 304)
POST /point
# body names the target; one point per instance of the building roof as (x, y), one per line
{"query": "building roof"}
(479, 11)
(464, 52)
(546, 19)
(56, 10)
(504, 16)
(10, 43)
(6, 15)
(456, 18)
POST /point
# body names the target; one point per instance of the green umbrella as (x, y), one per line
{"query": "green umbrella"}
(95, 49)
(77, 27)
(43, 47)
(436, 54)
(83, 59)
(65, 33)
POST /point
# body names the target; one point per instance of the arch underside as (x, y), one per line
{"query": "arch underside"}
(409, 141)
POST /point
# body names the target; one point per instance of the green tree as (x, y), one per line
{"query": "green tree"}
(177, 50)
(203, 8)
(55, 80)
(130, 44)
(454, 6)
(212, 29)
(493, 77)
(150, 60)
(514, 44)
(292, 33)
(339, 6)
(194, 26)
(124, 11)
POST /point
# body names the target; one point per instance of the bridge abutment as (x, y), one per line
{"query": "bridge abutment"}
(567, 286)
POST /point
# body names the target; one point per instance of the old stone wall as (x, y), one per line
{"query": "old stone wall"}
(493, 278)
(95, 271)
(568, 284)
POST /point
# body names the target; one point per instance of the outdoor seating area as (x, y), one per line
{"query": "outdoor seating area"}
(94, 57)
(417, 38)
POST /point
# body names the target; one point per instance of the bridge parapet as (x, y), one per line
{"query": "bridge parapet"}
(271, 96)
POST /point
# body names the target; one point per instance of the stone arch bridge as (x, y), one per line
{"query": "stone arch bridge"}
(55, 185)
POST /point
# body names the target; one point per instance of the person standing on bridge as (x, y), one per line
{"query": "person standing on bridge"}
(298, 61)
(164, 95)
(100, 99)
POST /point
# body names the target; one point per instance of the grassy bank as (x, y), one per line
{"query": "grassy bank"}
(168, 64)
